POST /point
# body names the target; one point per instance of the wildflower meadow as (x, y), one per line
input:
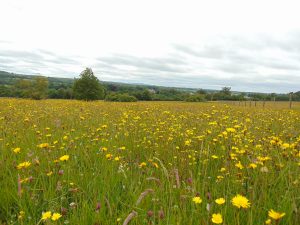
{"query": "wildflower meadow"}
(176, 163)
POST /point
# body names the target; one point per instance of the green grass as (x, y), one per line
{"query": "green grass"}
(167, 136)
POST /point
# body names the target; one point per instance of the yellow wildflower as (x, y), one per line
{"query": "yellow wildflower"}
(275, 215)
(43, 145)
(143, 164)
(239, 165)
(108, 156)
(220, 201)
(217, 218)
(64, 158)
(268, 221)
(240, 201)
(252, 165)
(46, 215)
(17, 150)
(197, 200)
(55, 216)
(23, 165)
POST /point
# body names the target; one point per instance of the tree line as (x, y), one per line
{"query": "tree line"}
(88, 87)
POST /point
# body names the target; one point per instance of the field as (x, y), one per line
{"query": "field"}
(72, 162)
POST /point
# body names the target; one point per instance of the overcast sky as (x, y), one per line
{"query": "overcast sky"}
(248, 45)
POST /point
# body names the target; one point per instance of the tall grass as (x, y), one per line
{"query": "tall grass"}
(143, 163)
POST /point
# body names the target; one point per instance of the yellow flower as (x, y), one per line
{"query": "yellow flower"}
(240, 201)
(17, 150)
(230, 130)
(252, 165)
(155, 164)
(21, 215)
(43, 145)
(23, 165)
(55, 216)
(64, 158)
(143, 164)
(275, 215)
(217, 218)
(103, 149)
(268, 221)
(239, 165)
(49, 173)
(117, 158)
(197, 200)
(108, 156)
(220, 201)
(222, 169)
(46, 215)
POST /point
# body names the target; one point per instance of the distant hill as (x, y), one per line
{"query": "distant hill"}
(62, 88)
(7, 78)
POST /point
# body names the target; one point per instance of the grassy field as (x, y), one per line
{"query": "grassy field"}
(71, 162)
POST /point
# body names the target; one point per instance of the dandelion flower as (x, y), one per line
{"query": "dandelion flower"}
(275, 215)
(64, 158)
(55, 216)
(268, 221)
(17, 150)
(217, 218)
(197, 200)
(220, 201)
(143, 164)
(239, 165)
(46, 215)
(108, 156)
(43, 145)
(240, 201)
(23, 165)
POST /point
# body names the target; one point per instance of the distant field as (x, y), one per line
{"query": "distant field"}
(150, 162)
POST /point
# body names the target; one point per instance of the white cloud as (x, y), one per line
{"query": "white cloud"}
(231, 42)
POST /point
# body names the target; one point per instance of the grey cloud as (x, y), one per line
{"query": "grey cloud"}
(38, 56)
(245, 63)
(156, 64)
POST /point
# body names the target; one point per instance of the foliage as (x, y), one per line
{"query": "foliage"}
(36, 88)
(196, 98)
(39, 88)
(88, 87)
(114, 97)
(62, 88)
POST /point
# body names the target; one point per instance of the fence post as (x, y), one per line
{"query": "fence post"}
(291, 99)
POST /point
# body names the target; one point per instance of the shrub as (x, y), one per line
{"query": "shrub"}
(120, 98)
(195, 98)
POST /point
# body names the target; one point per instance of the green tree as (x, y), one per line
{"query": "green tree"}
(39, 89)
(22, 88)
(226, 91)
(88, 87)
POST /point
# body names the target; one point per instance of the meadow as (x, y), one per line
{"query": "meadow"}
(175, 163)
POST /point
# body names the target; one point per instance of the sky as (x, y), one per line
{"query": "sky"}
(246, 45)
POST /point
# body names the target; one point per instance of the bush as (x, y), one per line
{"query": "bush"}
(195, 98)
(120, 98)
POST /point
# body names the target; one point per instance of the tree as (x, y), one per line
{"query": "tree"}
(201, 92)
(226, 91)
(39, 88)
(22, 88)
(35, 89)
(88, 87)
